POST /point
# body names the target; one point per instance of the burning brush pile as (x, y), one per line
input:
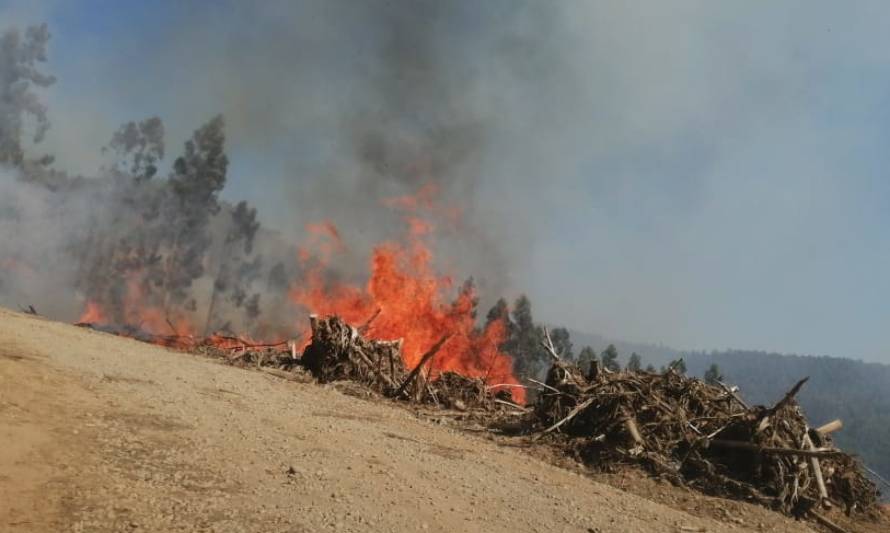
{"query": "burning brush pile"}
(702, 436)
(678, 428)
(339, 352)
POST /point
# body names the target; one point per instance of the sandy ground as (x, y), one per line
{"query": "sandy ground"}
(100, 433)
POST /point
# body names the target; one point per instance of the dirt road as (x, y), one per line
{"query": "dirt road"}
(100, 433)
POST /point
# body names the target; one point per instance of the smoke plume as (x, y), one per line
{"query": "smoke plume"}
(380, 114)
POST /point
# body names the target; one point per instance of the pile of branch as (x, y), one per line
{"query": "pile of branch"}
(703, 436)
(339, 352)
(244, 353)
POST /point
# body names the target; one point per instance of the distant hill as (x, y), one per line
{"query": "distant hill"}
(654, 354)
(854, 391)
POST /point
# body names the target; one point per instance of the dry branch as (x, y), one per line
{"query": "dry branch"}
(700, 435)
(423, 360)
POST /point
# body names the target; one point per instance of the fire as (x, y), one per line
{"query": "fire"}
(92, 314)
(136, 311)
(409, 300)
(404, 298)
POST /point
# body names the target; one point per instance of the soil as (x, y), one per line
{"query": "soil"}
(100, 433)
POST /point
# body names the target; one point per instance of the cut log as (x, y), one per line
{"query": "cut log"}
(817, 469)
(631, 426)
(827, 523)
(830, 427)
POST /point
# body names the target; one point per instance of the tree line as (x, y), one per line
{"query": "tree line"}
(525, 344)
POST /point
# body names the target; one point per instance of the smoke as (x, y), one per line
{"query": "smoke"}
(396, 98)
(356, 104)
(682, 174)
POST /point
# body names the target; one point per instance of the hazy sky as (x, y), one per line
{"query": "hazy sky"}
(701, 174)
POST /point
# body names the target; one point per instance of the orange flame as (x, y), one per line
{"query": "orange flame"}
(92, 314)
(404, 293)
(413, 305)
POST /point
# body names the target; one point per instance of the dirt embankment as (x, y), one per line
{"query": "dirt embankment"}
(99, 433)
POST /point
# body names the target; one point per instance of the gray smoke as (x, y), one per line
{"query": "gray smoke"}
(19, 76)
(353, 103)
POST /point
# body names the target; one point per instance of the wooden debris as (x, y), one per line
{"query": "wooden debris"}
(830, 427)
(338, 352)
(703, 436)
(423, 361)
(826, 522)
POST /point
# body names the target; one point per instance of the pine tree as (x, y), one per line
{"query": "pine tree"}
(499, 311)
(634, 364)
(524, 343)
(712, 374)
(562, 343)
(585, 357)
(610, 358)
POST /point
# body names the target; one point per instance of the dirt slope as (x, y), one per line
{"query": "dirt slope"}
(99, 433)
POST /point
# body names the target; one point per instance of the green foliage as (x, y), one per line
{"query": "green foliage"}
(562, 343)
(499, 311)
(712, 375)
(586, 356)
(198, 177)
(650, 368)
(610, 358)
(634, 364)
(523, 339)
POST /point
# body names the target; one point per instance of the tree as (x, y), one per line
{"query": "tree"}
(499, 311)
(562, 343)
(198, 177)
(18, 77)
(585, 357)
(236, 272)
(634, 364)
(712, 374)
(610, 358)
(137, 147)
(650, 368)
(524, 342)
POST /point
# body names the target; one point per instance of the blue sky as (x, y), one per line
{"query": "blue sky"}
(701, 174)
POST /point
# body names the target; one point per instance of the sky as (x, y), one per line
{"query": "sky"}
(699, 174)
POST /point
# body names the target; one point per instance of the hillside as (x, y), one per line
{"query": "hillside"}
(103, 434)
